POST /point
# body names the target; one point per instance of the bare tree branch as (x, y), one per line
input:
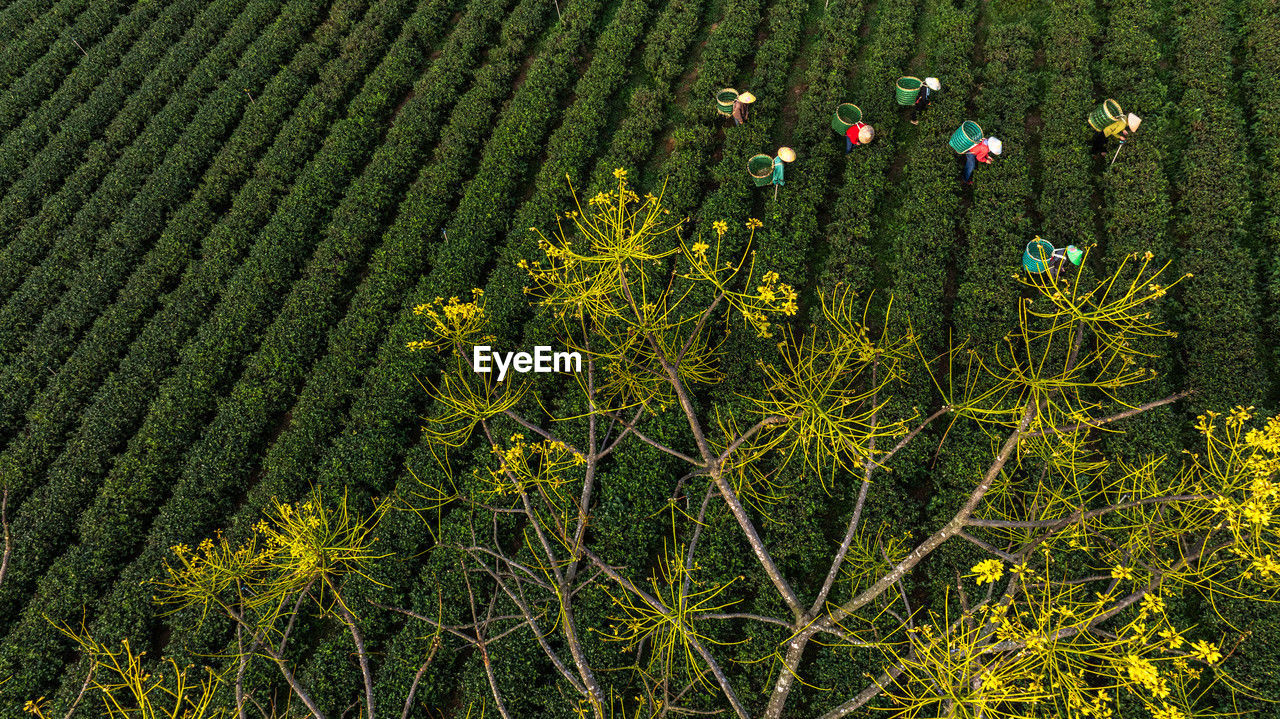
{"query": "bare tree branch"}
(1113, 418)
(361, 654)
(8, 541)
(413, 688)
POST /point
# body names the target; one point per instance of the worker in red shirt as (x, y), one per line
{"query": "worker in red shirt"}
(859, 133)
(980, 152)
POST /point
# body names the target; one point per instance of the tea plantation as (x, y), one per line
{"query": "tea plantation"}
(216, 217)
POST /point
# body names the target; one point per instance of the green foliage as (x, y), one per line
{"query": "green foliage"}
(213, 214)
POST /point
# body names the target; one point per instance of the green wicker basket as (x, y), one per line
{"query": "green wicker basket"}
(846, 116)
(965, 137)
(761, 169)
(1036, 258)
(908, 90)
(724, 100)
(1105, 114)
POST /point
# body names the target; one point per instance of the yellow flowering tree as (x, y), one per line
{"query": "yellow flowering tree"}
(1067, 612)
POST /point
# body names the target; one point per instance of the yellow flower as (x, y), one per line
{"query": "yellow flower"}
(1266, 566)
(753, 223)
(1171, 635)
(988, 571)
(620, 173)
(1152, 604)
(1167, 712)
(1144, 672)
(1206, 652)
(1256, 513)
(721, 227)
(1121, 572)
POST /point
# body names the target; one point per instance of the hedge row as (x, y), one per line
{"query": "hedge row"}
(568, 152)
(336, 381)
(665, 49)
(247, 304)
(997, 226)
(811, 177)
(133, 91)
(20, 16)
(222, 464)
(924, 231)
(115, 409)
(155, 175)
(140, 479)
(1263, 45)
(1226, 226)
(853, 204)
(114, 67)
(45, 49)
(730, 45)
(1137, 201)
(735, 193)
(1065, 185)
(44, 285)
(368, 450)
(1212, 207)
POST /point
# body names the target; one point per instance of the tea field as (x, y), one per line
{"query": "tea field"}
(216, 217)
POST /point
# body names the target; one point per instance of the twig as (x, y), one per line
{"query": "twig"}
(83, 687)
(361, 655)
(413, 688)
(8, 541)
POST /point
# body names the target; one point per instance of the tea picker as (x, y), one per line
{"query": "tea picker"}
(732, 104)
(916, 93)
(847, 121)
(1108, 120)
(785, 154)
(1040, 256)
(765, 170)
(969, 144)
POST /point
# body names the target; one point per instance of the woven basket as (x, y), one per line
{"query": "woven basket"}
(1105, 114)
(846, 116)
(965, 137)
(908, 90)
(724, 100)
(761, 169)
(1036, 257)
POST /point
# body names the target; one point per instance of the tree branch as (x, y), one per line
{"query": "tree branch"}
(361, 655)
(655, 444)
(1113, 418)
(8, 541)
(1079, 516)
(413, 688)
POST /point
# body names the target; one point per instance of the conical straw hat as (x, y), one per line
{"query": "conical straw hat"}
(866, 134)
(1134, 121)
(995, 145)
(746, 98)
(787, 154)
(933, 83)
